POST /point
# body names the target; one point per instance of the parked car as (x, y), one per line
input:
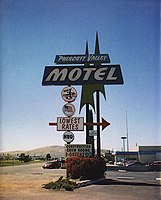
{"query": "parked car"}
(156, 165)
(55, 164)
(136, 164)
(120, 163)
(128, 162)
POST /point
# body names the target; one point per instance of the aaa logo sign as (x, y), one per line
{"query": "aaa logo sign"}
(69, 94)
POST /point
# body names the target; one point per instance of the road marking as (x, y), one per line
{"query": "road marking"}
(126, 177)
(121, 170)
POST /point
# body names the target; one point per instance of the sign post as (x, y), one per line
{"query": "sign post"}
(97, 51)
(92, 78)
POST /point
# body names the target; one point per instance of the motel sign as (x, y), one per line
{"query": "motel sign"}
(95, 72)
(79, 75)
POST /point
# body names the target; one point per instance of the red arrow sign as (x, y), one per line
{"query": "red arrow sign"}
(104, 124)
(52, 123)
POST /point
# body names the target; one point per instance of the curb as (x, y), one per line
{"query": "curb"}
(88, 182)
(126, 180)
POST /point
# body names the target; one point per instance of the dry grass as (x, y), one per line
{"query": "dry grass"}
(24, 186)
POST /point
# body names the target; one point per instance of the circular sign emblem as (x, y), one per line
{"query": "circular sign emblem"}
(68, 109)
(69, 94)
(68, 136)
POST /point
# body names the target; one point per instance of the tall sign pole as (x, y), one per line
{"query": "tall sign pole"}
(87, 105)
(89, 117)
(90, 128)
(97, 51)
(98, 127)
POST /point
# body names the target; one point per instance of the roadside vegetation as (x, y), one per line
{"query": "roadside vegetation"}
(4, 163)
(85, 168)
(80, 168)
(21, 159)
(61, 184)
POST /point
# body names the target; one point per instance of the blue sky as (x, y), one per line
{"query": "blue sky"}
(35, 31)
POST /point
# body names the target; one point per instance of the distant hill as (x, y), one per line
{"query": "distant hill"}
(54, 151)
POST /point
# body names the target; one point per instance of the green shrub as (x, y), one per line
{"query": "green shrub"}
(68, 186)
(61, 184)
(48, 185)
(86, 168)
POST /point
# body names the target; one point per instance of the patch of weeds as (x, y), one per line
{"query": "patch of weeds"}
(61, 184)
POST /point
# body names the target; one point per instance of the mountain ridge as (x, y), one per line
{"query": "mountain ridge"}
(54, 151)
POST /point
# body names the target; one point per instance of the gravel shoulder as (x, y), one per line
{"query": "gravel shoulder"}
(17, 183)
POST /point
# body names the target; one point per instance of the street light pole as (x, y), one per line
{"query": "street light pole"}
(127, 132)
(123, 141)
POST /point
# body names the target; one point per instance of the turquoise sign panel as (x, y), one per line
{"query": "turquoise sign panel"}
(81, 59)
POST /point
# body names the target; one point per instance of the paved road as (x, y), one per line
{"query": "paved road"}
(147, 177)
(35, 168)
(25, 183)
(140, 177)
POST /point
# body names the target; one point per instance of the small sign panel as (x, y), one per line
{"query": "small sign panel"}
(70, 123)
(81, 59)
(92, 133)
(68, 136)
(82, 150)
(68, 109)
(69, 94)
